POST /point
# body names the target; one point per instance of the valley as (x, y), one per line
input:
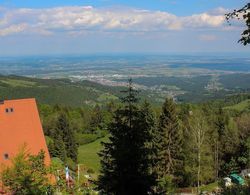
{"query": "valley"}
(187, 78)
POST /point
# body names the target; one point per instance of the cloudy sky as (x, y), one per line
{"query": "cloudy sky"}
(39, 27)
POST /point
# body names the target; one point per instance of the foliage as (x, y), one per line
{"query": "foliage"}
(198, 158)
(167, 184)
(125, 163)
(27, 175)
(169, 146)
(243, 13)
(83, 139)
(64, 141)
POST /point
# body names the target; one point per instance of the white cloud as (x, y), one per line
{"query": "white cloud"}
(219, 11)
(203, 20)
(87, 18)
(13, 29)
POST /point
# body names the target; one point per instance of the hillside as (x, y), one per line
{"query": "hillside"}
(87, 93)
(244, 105)
(56, 91)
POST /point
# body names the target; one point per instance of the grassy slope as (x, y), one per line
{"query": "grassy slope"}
(240, 106)
(87, 154)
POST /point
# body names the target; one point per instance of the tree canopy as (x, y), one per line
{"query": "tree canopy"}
(243, 13)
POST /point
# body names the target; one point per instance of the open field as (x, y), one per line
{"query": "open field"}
(87, 154)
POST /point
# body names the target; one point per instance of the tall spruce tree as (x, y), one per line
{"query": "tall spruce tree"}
(125, 164)
(149, 125)
(65, 144)
(169, 142)
(68, 136)
(57, 148)
(96, 119)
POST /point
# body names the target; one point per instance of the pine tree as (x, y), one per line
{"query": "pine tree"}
(96, 119)
(169, 142)
(58, 147)
(64, 144)
(68, 136)
(151, 133)
(125, 164)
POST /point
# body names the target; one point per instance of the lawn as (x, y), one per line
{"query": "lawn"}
(87, 154)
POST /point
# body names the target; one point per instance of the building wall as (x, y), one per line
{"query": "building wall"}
(20, 125)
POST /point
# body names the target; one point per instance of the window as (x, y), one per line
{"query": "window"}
(6, 156)
(8, 110)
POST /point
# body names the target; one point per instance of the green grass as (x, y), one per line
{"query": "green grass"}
(210, 187)
(240, 106)
(87, 154)
(106, 97)
(18, 83)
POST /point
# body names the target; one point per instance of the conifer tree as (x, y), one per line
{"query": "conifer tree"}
(96, 119)
(151, 132)
(59, 148)
(125, 164)
(68, 136)
(64, 144)
(169, 142)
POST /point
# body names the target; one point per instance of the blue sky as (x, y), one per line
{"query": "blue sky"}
(179, 7)
(33, 27)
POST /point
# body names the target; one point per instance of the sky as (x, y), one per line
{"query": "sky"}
(41, 27)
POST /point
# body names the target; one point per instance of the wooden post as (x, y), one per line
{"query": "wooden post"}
(78, 173)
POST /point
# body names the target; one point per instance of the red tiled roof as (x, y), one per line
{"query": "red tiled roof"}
(20, 125)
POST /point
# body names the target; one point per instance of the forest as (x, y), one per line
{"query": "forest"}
(153, 149)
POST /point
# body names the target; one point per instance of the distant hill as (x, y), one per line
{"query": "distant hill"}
(56, 91)
(86, 93)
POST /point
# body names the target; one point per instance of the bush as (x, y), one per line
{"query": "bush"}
(71, 164)
(27, 175)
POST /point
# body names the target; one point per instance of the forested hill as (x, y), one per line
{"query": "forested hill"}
(56, 91)
(87, 94)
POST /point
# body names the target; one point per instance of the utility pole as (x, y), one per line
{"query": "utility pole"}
(78, 173)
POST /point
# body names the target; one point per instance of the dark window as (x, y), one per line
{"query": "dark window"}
(8, 110)
(6, 156)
